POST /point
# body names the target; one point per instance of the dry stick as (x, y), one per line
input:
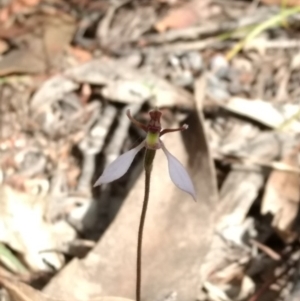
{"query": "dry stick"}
(111, 153)
(149, 156)
(208, 28)
(187, 46)
(274, 278)
(1, 110)
(93, 143)
(116, 143)
(266, 285)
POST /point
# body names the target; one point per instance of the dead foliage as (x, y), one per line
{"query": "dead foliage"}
(70, 71)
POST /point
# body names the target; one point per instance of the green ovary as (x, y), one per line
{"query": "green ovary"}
(152, 139)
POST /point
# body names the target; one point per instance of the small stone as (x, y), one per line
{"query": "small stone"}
(216, 88)
(174, 60)
(242, 64)
(192, 61)
(295, 63)
(235, 87)
(219, 65)
(183, 79)
(214, 81)
(134, 59)
(218, 94)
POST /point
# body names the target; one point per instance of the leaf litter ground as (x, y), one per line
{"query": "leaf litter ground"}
(69, 72)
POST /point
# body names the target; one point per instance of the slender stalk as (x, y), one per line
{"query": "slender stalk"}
(140, 237)
(149, 156)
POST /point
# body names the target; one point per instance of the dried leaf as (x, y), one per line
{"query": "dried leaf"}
(282, 196)
(3, 46)
(186, 15)
(42, 51)
(16, 7)
(266, 113)
(238, 192)
(52, 90)
(110, 298)
(126, 84)
(81, 55)
(19, 291)
(29, 2)
(280, 2)
(23, 228)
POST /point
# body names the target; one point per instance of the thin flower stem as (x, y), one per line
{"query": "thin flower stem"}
(149, 157)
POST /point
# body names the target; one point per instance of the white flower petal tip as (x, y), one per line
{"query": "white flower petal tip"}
(178, 174)
(119, 167)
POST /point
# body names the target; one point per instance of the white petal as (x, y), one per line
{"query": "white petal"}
(178, 174)
(119, 167)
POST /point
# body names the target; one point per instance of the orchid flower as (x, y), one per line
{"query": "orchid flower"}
(120, 166)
